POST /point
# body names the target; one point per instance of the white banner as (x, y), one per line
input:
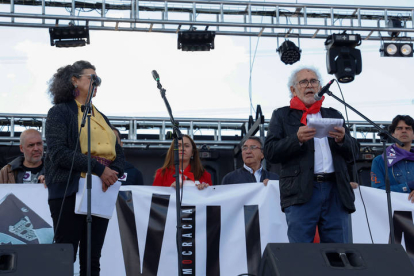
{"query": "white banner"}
(224, 227)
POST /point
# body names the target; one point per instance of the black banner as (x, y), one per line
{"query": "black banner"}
(253, 247)
(129, 237)
(213, 240)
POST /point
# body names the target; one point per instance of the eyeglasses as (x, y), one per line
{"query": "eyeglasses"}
(305, 83)
(86, 75)
(253, 147)
(97, 80)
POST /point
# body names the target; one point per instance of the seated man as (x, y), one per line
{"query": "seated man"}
(252, 170)
(132, 176)
(400, 159)
(29, 167)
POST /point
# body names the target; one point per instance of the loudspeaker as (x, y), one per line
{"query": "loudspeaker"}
(327, 259)
(36, 259)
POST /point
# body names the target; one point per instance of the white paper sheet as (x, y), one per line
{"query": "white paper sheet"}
(324, 125)
(103, 203)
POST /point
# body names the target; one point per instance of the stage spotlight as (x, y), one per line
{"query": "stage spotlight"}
(195, 40)
(342, 59)
(393, 49)
(394, 23)
(407, 50)
(72, 36)
(289, 52)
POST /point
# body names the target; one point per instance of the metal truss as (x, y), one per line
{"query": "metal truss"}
(240, 18)
(147, 132)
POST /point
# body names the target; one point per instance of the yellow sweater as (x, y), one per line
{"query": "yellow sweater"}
(103, 139)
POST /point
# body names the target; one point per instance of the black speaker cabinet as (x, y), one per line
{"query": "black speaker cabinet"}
(36, 259)
(327, 259)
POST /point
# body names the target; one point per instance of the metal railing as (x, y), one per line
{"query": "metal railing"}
(144, 132)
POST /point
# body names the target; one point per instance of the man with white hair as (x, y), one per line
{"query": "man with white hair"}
(29, 167)
(314, 180)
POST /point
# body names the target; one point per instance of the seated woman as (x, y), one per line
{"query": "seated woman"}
(191, 168)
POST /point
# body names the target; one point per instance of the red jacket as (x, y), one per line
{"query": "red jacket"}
(167, 179)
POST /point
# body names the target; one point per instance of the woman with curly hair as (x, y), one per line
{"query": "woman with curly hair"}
(191, 168)
(66, 160)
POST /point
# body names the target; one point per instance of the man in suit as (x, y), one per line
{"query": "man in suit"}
(314, 180)
(252, 170)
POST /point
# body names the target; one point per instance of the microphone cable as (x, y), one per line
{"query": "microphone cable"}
(67, 185)
(70, 174)
(182, 175)
(355, 172)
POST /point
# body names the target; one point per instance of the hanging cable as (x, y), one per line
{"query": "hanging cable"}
(354, 170)
(251, 64)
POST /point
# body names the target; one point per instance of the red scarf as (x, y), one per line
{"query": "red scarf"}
(296, 103)
(187, 172)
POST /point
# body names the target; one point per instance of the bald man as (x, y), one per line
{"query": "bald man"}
(29, 167)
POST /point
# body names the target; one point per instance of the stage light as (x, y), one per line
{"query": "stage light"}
(289, 52)
(394, 23)
(396, 49)
(195, 40)
(72, 36)
(391, 49)
(407, 50)
(342, 59)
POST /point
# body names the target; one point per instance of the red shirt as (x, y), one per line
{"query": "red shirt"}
(167, 179)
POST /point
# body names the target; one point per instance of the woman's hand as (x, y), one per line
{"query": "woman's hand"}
(174, 185)
(202, 186)
(108, 177)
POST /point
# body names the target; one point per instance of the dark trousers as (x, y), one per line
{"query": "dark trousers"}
(73, 229)
(324, 210)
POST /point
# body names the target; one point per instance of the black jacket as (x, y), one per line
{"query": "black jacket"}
(14, 172)
(297, 170)
(242, 175)
(61, 138)
(133, 177)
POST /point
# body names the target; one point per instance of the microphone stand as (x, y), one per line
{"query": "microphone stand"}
(176, 136)
(384, 134)
(87, 112)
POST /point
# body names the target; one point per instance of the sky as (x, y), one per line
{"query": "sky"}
(211, 84)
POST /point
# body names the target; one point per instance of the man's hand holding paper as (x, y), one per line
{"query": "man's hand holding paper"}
(328, 127)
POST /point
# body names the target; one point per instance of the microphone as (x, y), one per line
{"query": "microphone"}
(324, 89)
(155, 76)
(96, 80)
